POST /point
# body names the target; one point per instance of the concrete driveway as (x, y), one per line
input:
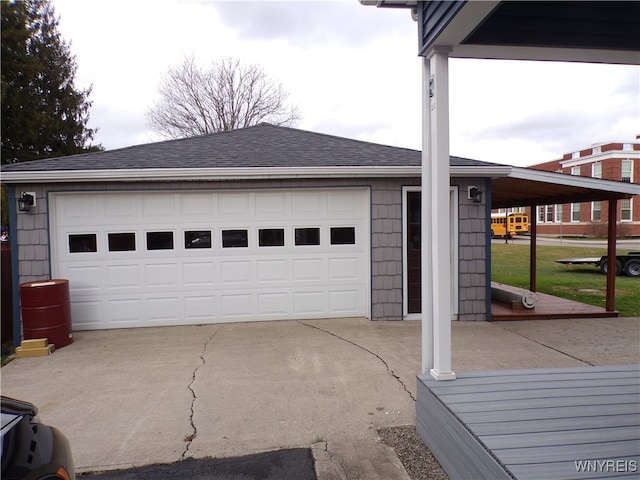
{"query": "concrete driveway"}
(159, 395)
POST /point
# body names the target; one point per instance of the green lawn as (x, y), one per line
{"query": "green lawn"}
(582, 283)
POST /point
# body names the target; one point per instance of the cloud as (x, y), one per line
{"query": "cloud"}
(309, 23)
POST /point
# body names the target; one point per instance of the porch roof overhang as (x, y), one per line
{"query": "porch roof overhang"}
(527, 187)
(566, 31)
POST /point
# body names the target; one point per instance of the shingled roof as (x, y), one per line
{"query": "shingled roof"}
(259, 146)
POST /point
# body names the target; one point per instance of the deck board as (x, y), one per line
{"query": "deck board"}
(537, 423)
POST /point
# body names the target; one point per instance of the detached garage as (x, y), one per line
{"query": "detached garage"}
(260, 223)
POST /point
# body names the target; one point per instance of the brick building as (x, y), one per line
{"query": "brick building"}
(611, 161)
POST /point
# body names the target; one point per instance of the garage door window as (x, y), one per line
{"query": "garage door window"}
(235, 239)
(159, 240)
(271, 237)
(307, 236)
(83, 242)
(197, 239)
(122, 242)
(343, 236)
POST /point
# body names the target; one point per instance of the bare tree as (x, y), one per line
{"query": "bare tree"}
(226, 96)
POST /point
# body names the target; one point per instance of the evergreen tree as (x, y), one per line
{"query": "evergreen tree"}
(43, 114)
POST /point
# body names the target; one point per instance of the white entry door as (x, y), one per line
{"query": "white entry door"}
(169, 258)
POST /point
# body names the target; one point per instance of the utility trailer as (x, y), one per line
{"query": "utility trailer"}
(628, 264)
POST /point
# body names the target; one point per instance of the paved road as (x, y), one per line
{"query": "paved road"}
(291, 464)
(621, 244)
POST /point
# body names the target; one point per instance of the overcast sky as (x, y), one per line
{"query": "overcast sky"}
(352, 70)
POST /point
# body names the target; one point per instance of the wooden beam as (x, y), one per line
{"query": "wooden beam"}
(533, 218)
(611, 256)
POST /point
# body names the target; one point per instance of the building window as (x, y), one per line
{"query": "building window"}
(122, 242)
(627, 171)
(596, 211)
(575, 170)
(558, 213)
(596, 170)
(197, 239)
(235, 239)
(307, 236)
(83, 243)
(159, 240)
(549, 217)
(541, 209)
(271, 237)
(343, 235)
(575, 212)
(625, 209)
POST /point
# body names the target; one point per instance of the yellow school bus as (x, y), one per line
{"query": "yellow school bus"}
(511, 224)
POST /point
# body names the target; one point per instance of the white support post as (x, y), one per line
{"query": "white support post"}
(426, 227)
(440, 209)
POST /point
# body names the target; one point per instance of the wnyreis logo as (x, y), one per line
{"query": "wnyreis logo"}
(606, 466)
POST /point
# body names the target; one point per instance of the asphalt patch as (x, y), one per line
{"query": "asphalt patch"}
(291, 464)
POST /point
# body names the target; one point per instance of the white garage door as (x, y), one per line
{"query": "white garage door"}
(172, 258)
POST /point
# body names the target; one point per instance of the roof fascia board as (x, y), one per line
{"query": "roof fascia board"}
(217, 174)
(575, 181)
(173, 174)
(602, 156)
(497, 52)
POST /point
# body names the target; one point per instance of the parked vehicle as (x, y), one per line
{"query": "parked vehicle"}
(629, 263)
(30, 449)
(515, 223)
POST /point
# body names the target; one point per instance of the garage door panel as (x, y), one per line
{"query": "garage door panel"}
(236, 205)
(121, 210)
(197, 205)
(199, 274)
(274, 304)
(159, 206)
(343, 268)
(162, 309)
(201, 309)
(124, 312)
(237, 305)
(310, 302)
(84, 278)
(123, 276)
(192, 278)
(273, 271)
(161, 275)
(308, 269)
(79, 212)
(344, 301)
(87, 315)
(271, 204)
(236, 272)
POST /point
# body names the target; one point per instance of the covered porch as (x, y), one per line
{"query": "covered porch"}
(506, 424)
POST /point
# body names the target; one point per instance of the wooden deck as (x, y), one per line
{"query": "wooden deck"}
(560, 423)
(549, 307)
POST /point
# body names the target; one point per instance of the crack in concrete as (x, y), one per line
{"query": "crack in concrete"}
(389, 369)
(551, 348)
(194, 430)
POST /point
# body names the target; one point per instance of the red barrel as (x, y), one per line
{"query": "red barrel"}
(46, 311)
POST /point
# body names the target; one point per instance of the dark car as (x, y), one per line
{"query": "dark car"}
(31, 450)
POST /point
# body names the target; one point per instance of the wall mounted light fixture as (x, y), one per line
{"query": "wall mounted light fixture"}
(475, 194)
(26, 201)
